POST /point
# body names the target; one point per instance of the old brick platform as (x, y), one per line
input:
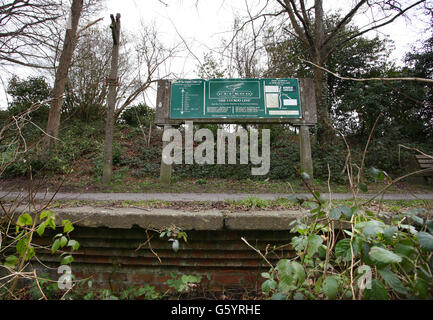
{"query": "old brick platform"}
(123, 248)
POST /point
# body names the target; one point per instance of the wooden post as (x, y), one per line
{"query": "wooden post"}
(309, 117)
(111, 101)
(165, 174)
(305, 150)
(161, 116)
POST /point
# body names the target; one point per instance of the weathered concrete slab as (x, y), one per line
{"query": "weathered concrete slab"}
(126, 218)
(261, 220)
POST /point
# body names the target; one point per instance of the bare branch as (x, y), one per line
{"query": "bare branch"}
(368, 79)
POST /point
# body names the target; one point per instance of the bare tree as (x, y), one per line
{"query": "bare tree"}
(111, 100)
(148, 64)
(86, 89)
(307, 22)
(62, 74)
(25, 31)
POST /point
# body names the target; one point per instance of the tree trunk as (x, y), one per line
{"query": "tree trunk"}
(325, 126)
(111, 101)
(62, 75)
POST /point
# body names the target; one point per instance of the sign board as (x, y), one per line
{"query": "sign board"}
(235, 99)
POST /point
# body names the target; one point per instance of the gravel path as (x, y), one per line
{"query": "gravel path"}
(211, 197)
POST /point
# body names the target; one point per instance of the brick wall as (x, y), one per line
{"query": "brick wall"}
(115, 259)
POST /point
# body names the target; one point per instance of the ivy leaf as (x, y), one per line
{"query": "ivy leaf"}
(75, 245)
(30, 253)
(67, 226)
(55, 246)
(63, 241)
(330, 287)
(41, 229)
(46, 214)
(385, 256)
(425, 240)
(67, 260)
(21, 246)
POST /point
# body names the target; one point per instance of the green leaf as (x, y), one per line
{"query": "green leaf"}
(335, 214)
(299, 243)
(373, 228)
(52, 223)
(393, 281)
(46, 214)
(299, 272)
(21, 246)
(365, 254)
(75, 245)
(422, 288)
(314, 243)
(430, 225)
(266, 275)
(343, 250)
(11, 261)
(419, 221)
(30, 253)
(67, 226)
(383, 255)
(425, 240)
(25, 220)
(67, 260)
(63, 241)
(330, 287)
(55, 246)
(348, 212)
(286, 283)
(389, 232)
(269, 285)
(377, 291)
(291, 275)
(298, 296)
(41, 229)
(279, 297)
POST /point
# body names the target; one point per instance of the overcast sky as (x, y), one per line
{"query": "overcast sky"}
(204, 25)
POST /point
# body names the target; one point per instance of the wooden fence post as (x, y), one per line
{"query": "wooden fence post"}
(165, 174)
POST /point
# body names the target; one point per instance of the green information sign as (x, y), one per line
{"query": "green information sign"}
(235, 98)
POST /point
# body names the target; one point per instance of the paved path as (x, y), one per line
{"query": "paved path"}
(212, 197)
